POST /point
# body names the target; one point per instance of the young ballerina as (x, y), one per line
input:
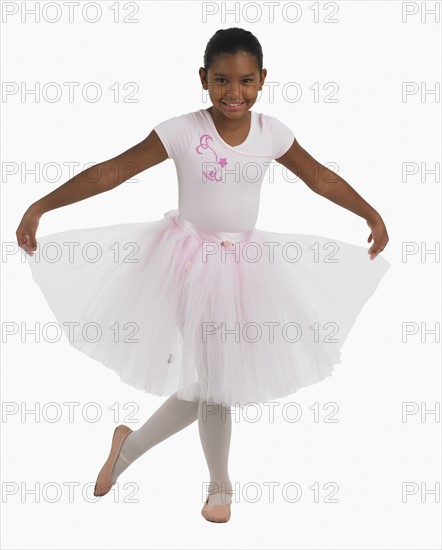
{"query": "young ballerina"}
(202, 306)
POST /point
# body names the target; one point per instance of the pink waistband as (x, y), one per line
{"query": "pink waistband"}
(207, 234)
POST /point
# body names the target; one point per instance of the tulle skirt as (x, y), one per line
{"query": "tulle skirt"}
(227, 317)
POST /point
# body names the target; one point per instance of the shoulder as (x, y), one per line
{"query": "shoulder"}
(270, 122)
(280, 135)
(176, 134)
(181, 119)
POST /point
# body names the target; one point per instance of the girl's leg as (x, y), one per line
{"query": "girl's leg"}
(171, 417)
(214, 425)
(215, 428)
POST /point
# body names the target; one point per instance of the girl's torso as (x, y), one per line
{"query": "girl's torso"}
(220, 184)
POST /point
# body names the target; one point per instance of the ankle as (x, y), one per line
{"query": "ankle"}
(219, 487)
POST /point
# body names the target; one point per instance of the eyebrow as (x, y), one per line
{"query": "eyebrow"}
(220, 74)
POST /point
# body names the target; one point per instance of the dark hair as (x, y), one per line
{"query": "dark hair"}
(231, 41)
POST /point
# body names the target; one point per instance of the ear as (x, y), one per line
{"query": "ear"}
(203, 77)
(263, 77)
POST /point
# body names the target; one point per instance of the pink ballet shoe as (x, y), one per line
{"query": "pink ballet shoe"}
(104, 480)
(217, 513)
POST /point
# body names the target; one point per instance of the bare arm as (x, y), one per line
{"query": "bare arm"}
(96, 179)
(328, 184)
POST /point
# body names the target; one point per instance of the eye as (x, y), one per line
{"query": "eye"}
(244, 80)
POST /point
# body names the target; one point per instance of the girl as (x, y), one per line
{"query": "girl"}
(200, 305)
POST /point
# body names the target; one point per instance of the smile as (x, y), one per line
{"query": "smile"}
(233, 105)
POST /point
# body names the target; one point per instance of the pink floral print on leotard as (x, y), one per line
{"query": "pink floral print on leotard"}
(211, 158)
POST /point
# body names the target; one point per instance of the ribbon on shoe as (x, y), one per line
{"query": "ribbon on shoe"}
(224, 238)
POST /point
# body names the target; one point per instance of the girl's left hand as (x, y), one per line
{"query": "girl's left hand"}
(379, 235)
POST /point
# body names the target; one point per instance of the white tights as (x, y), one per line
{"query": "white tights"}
(214, 426)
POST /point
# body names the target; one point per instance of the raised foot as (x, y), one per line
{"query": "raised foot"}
(104, 481)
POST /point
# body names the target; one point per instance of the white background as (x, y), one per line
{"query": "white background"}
(368, 49)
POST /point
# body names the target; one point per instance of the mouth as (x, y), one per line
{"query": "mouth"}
(232, 106)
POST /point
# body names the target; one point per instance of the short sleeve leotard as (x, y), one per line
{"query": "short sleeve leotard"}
(219, 185)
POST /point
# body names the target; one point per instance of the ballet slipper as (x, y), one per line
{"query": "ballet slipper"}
(104, 480)
(217, 513)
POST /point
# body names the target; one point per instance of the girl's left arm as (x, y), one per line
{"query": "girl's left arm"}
(328, 184)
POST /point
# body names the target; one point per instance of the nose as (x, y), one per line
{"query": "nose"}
(233, 90)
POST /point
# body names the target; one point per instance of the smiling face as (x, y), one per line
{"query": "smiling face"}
(233, 79)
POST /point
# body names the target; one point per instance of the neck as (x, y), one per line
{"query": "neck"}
(228, 123)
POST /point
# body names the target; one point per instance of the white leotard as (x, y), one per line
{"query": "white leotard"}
(219, 185)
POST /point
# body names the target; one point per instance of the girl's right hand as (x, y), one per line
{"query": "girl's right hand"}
(27, 230)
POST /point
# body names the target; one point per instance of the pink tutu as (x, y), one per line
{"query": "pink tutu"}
(232, 318)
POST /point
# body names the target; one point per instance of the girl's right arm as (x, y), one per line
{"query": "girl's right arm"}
(96, 179)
